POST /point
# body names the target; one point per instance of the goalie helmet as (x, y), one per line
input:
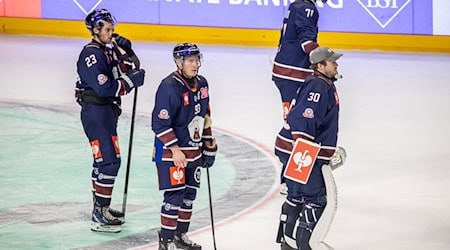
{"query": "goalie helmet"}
(96, 19)
(185, 49)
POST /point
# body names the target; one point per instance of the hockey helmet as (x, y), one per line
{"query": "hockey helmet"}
(185, 49)
(96, 19)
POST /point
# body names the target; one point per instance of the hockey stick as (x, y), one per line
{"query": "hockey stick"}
(210, 208)
(130, 145)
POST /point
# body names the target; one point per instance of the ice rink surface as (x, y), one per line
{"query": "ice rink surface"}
(394, 119)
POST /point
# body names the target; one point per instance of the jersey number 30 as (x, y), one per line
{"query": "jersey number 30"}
(313, 97)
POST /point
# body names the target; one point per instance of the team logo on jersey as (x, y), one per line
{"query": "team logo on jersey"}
(177, 175)
(195, 128)
(204, 92)
(96, 151)
(102, 79)
(163, 114)
(308, 113)
(197, 174)
(383, 11)
(185, 98)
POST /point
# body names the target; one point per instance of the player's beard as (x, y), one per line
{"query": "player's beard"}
(331, 73)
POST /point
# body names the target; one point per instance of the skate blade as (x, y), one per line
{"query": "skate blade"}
(98, 227)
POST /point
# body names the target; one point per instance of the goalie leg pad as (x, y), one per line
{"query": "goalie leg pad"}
(283, 219)
(289, 215)
(306, 223)
(323, 225)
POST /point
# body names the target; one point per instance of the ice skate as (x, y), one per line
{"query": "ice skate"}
(182, 241)
(103, 221)
(166, 244)
(115, 213)
(118, 214)
(285, 246)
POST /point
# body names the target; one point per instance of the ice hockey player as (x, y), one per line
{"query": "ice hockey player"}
(183, 144)
(106, 72)
(291, 65)
(307, 148)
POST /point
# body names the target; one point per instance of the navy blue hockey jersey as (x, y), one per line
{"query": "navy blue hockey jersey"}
(98, 68)
(298, 37)
(178, 117)
(314, 117)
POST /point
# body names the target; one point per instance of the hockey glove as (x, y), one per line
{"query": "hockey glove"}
(124, 43)
(338, 158)
(133, 79)
(136, 61)
(209, 150)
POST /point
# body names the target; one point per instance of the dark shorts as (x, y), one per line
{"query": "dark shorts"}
(100, 126)
(171, 177)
